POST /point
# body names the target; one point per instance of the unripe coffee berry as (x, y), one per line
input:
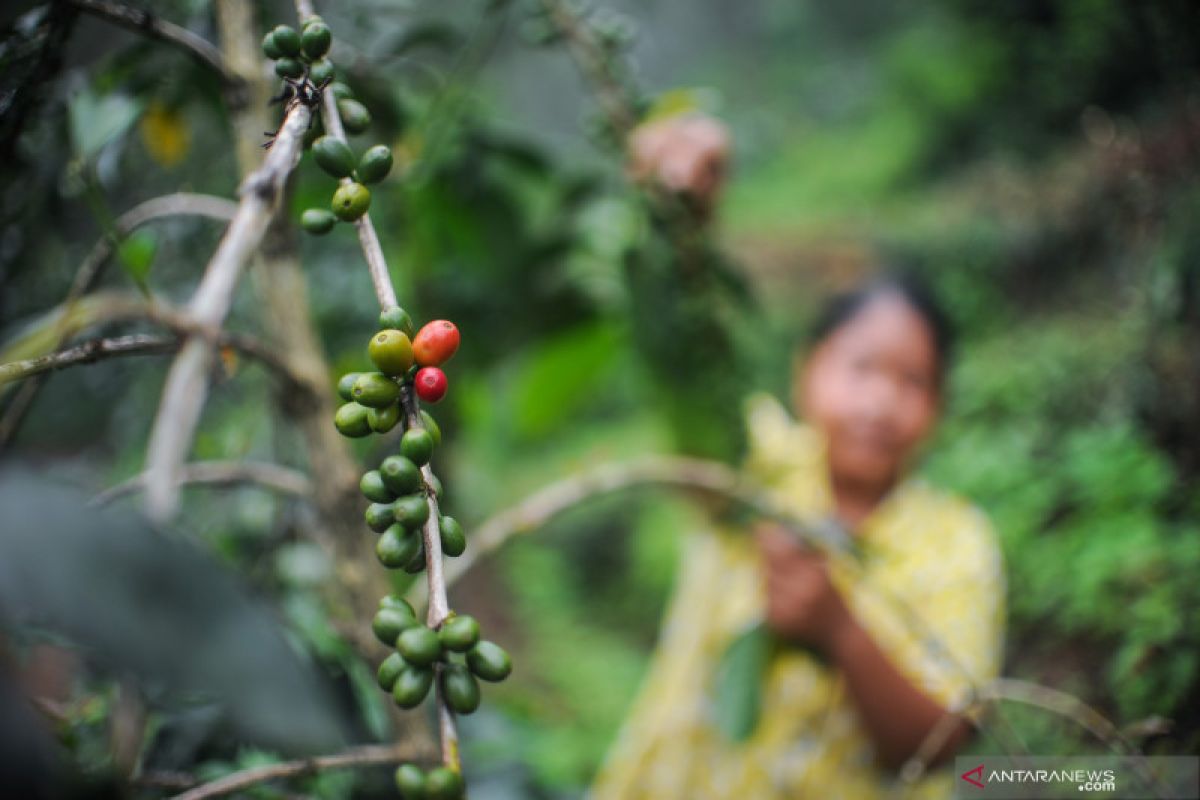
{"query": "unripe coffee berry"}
(351, 201)
(391, 352)
(417, 446)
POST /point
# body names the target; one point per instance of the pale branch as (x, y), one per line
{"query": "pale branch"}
(186, 385)
(385, 293)
(89, 352)
(370, 755)
(221, 473)
(689, 474)
(147, 23)
(180, 203)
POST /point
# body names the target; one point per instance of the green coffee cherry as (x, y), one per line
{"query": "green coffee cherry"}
(340, 91)
(355, 117)
(316, 39)
(397, 546)
(400, 475)
(286, 39)
(391, 351)
(288, 67)
(396, 318)
(417, 446)
(411, 686)
(345, 385)
(317, 221)
(351, 420)
(398, 603)
(443, 783)
(270, 49)
(454, 541)
(489, 661)
(379, 516)
(459, 633)
(375, 164)
(419, 646)
(435, 485)
(389, 670)
(320, 71)
(411, 511)
(375, 390)
(431, 425)
(410, 780)
(334, 156)
(373, 487)
(383, 420)
(418, 561)
(389, 623)
(351, 201)
(460, 688)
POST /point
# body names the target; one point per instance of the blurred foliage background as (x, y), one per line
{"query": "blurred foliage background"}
(1038, 160)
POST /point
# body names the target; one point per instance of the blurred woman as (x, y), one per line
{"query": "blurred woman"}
(869, 652)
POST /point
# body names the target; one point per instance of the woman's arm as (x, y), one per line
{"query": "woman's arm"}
(804, 606)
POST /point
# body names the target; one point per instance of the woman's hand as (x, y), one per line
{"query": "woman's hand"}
(802, 603)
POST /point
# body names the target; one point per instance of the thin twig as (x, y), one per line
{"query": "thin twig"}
(357, 757)
(186, 386)
(145, 22)
(89, 352)
(178, 204)
(221, 473)
(439, 607)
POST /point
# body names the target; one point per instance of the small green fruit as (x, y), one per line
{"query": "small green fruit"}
(454, 541)
(411, 511)
(411, 686)
(460, 688)
(417, 446)
(345, 385)
(391, 351)
(389, 670)
(375, 164)
(351, 420)
(431, 425)
(270, 49)
(383, 420)
(410, 780)
(399, 603)
(400, 475)
(334, 156)
(443, 783)
(288, 67)
(340, 90)
(355, 117)
(459, 633)
(435, 484)
(418, 561)
(351, 201)
(320, 71)
(396, 318)
(397, 546)
(316, 39)
(389, 622)
(375, 390)
(286, 39)
(379, 516)
(419, 645)
(374, 489)
(317, 221)
(489, 661)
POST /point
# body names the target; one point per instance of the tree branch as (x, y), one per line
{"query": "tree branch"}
(141, 21)
(358, 757)
(221, 473)
(89, 352)
(186, 386)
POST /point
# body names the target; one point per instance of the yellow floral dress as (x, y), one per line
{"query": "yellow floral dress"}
(923, 550)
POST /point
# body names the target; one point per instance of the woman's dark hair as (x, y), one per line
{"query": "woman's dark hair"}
(843, 307)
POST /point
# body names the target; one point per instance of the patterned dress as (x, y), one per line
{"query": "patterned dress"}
(926, 554)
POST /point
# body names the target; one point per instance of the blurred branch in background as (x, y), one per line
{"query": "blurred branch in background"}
(221, 473)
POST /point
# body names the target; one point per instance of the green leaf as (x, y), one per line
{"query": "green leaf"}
(136, 253)
(739, 682)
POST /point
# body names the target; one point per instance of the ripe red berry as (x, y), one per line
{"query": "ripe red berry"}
(435, 344)
(430, 383)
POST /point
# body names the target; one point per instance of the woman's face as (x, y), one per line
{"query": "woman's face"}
(872, 388)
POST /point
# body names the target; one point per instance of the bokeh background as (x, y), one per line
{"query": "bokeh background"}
(1037, 160)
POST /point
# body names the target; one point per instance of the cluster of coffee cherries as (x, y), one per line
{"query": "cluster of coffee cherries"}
(454, 655)
(303, 57)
